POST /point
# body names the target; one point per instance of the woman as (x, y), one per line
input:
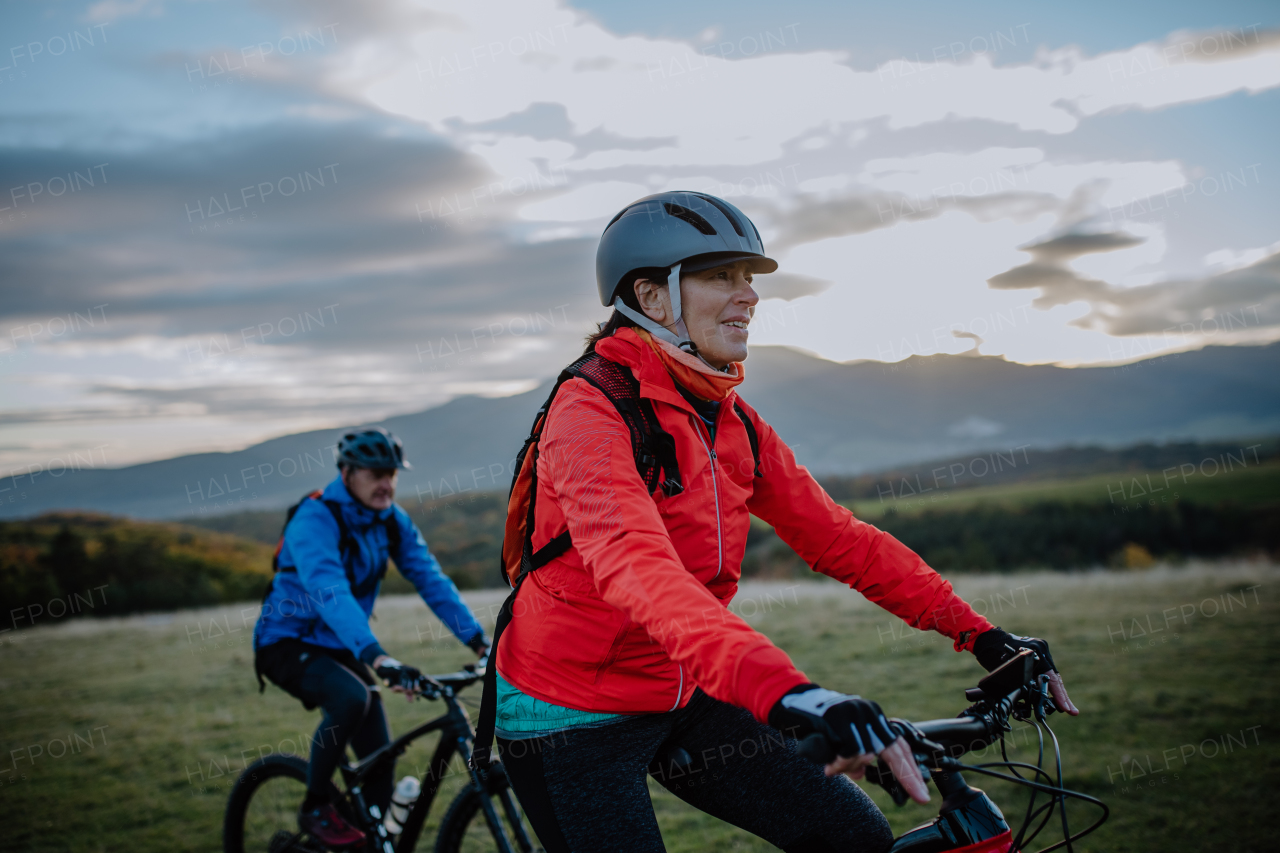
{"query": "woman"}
(623, 652)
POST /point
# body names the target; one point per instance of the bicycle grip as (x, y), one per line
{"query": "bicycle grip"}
(816, 749)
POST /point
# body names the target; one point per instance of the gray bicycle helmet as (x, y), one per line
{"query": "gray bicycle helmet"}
(678, 230)
(371, 448)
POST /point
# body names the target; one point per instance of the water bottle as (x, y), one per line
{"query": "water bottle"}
(406, 794)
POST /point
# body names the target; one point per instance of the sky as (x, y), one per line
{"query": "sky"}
(224, 221)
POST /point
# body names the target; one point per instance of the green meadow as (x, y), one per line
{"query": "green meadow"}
(1247, 487)
(124, 733)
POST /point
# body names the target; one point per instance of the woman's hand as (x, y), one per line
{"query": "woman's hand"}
(996, 646)
(898, 756)
(855, 729)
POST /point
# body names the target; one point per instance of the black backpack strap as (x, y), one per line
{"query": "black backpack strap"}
(654, 448)
(550, 551)
(752, 436)
(392, 526)
(346, 544)
(486, 722)
(659, 452)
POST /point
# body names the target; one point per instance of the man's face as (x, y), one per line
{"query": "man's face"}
(373, 487)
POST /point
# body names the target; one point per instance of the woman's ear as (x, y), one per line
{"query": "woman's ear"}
(654, 300)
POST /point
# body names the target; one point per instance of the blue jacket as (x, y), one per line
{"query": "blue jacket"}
(315, 603)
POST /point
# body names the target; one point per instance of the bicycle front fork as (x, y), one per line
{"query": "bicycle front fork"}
(492, 783)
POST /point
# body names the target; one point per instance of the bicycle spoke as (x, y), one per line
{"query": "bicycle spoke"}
(271, 821)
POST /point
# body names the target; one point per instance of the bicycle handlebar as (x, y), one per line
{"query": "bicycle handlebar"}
(1000, 694)
(435, 686)
(1019, 689)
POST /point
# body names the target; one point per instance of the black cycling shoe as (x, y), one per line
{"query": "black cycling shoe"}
(331, 829)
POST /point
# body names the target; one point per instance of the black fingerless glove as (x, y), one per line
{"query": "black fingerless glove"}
(996, 646)
(478, 643)
(398, 674)
(851, 725)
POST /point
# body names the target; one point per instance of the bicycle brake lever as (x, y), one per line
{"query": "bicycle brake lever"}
(428, 688)
(924, 751)
(1044, 704)
(880, 774)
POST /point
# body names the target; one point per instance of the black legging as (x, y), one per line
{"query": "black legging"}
(585, 789)
(353, 714)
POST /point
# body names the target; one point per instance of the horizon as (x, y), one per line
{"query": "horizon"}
(1154, 441)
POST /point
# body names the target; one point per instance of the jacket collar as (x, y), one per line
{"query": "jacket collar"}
(625, 347)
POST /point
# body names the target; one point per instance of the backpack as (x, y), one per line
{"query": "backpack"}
(346, 546)
(655, 455)
(653, 447)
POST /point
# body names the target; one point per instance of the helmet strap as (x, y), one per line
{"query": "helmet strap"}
(680, 337)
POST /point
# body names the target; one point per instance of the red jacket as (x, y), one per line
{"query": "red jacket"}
(635, 614)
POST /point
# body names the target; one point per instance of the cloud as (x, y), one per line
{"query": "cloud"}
(788, 286)
(114, 10)
(275, 278)
(476, 73)
(1244, 299)
(592, 201)
(1051, 269)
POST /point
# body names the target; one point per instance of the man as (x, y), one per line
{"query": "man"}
(313, 638)
(623, 648)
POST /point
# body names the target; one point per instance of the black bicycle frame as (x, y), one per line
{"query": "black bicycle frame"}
(455, 736)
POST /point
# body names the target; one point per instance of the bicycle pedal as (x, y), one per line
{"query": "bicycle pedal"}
(291, 842)
(281, 842)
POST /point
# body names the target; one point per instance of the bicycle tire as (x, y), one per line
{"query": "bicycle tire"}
(279, 766)
(458, 819)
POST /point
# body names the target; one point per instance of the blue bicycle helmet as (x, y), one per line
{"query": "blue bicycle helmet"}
(371, 448)
(677, 230)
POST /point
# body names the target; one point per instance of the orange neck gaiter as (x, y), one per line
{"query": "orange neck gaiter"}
(697, 377)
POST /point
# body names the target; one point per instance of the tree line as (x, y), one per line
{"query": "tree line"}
(106, 566)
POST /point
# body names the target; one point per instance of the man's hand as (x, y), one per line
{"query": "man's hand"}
(401, 678)
(855, 728)
(480, 645)
(996, 646)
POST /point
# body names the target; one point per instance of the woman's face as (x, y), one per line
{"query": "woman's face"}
(716, 306)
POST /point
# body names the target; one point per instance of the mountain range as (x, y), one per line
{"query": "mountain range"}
(840, 419)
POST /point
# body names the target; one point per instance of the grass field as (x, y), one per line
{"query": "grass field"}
(1249, 486)
(1178, 731)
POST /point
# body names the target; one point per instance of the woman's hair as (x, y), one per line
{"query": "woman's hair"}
(627, 293)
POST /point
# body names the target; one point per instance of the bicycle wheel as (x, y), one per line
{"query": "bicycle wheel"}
(262, 810)
(464, 829)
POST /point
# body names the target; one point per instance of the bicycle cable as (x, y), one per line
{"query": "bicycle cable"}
(1062, 800)
(1047, 810)
(1030, 815)
(1058, 791)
